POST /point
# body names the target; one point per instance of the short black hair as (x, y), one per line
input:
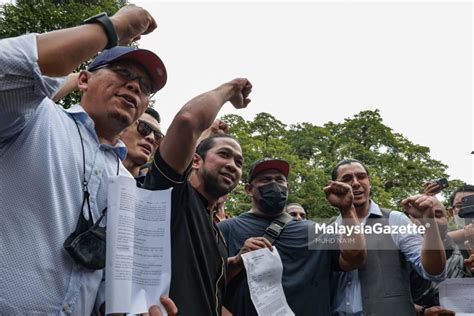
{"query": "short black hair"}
(346, 162)
(153, 113)
(463, 188)
(208, 142)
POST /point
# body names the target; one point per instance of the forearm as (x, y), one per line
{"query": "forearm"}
(433, 256)
(353, 248)
(69, 86)
(179, 145)
(234, 266)
(60, 52)
(458, 236)
(203, 109)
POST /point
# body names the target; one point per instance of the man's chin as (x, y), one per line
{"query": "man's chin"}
(359, 203)
(122, 120)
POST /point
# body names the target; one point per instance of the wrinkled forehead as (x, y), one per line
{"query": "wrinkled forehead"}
(350, 168)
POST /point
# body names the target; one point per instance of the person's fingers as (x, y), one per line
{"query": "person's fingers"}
(169, 305)
(267, 243)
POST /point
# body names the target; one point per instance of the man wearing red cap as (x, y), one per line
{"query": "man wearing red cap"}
(306, 272)
(66, 155)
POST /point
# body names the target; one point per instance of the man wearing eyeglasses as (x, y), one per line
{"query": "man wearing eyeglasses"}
(141, 138)
(66, 156)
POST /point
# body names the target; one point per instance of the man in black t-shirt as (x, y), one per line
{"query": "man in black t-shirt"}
(198, 251)
(307, 261)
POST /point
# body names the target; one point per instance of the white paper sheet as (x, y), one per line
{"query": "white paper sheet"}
(138, 262)
(264, 272)
(457, 295)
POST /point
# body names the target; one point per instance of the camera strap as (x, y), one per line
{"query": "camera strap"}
(273, 231)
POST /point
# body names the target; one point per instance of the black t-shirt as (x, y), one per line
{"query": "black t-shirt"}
(306, 272)
(198, 251)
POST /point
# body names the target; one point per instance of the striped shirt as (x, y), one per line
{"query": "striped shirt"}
(41, 174)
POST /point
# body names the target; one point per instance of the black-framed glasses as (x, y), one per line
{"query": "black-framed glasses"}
(128, 75)
(145, 129)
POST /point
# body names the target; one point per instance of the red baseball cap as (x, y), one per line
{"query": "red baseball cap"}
(266, 164)
(147, 59)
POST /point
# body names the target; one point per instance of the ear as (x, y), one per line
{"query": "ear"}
(197, 160)
(83, 80)
(248, 189)
(450, 212)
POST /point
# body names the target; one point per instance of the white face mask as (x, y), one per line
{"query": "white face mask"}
(460, 222)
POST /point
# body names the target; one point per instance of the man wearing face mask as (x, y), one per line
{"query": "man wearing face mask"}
(306, 272)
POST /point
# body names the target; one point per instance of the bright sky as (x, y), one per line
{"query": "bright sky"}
(326, 61)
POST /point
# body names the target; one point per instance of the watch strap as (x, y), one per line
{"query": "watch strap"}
(109, 29)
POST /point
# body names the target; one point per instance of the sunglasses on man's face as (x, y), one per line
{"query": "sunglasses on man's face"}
(129, 75)
(145, 129)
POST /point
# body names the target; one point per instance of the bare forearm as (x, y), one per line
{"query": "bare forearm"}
(203, 109)
(353, 248)
(234, 266)
(69, 86)
(60, 52)
(458, 236)
(433, 256)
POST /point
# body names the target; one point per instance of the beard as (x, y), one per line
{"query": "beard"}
(121, 120)
(214, 186)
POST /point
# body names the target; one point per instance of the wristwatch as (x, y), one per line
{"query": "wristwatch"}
(104, 21)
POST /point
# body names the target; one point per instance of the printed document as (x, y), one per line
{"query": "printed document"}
(138, 262)
(457, 295)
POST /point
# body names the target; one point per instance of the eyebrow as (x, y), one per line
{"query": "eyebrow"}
(232, 151)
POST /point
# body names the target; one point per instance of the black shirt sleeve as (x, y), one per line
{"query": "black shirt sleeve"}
(161, 176)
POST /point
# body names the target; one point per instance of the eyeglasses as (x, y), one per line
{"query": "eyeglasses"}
(145, 129)
(130, 75)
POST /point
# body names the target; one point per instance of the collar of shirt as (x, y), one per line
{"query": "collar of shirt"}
(78, 112)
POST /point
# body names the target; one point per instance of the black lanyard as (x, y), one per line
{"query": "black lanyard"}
(85, 182)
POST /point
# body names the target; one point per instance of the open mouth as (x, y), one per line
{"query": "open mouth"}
(358, 193)
(147, 148)
(129, 100)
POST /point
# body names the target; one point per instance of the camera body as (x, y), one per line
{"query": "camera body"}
(443, 183)
(467, 207)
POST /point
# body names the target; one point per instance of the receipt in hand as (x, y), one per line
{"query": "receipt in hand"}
(264, 271)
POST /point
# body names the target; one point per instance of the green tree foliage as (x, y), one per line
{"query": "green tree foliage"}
(398, 168)
(39, 16)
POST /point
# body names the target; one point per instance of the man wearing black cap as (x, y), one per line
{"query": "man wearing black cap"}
(306, 272)
(66, 155)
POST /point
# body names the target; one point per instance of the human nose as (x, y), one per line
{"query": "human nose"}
(134, 85)
(355, 182)
(150, 138)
